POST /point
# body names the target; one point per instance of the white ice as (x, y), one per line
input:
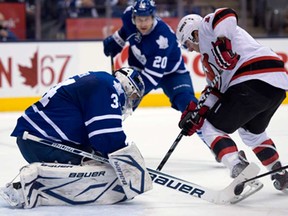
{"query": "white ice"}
(154, 130)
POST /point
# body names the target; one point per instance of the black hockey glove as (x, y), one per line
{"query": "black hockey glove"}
(111, 48)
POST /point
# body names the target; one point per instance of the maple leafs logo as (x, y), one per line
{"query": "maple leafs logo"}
(162, 42)
(30, 73)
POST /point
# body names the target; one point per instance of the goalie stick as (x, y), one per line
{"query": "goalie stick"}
(192, 115)
(224, 196)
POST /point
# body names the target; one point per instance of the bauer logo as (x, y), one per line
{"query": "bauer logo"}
(86, 174)
(120, 173)
(176, 185)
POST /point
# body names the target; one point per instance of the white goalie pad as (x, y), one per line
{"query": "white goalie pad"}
(64, 184)
(129, 166)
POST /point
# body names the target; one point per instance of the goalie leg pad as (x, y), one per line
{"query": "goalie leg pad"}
(129, 166)
(64, 184)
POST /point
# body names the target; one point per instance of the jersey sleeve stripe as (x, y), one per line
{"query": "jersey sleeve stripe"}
(223, 14)
(53, 125)
(42, 132)
(50, 122)
(175, 67)
(150, 78)
(118, 39)
(104, 131)
(34, 125)
(153, 73)
(102, 117)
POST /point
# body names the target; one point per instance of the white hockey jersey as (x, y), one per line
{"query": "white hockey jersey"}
(256, 61)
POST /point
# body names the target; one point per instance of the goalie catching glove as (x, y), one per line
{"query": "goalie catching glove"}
(190, 124)
(224, 56)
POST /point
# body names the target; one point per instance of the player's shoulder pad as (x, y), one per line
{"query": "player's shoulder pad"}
(127, 14)
(99, 79)
(128, 9)
(222, 14)
(164, 29)
(162, 26)
(128, 25)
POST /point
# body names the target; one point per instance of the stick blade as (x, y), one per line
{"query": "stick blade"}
(249, 188)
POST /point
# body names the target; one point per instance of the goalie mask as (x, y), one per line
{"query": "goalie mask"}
(187, 25)
(133, 86)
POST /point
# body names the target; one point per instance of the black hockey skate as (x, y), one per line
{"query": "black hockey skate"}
(280, 178)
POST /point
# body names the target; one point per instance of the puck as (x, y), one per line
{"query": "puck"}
(239, 189)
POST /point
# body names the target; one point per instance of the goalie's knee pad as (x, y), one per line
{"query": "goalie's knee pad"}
(129, 166)
(64, 184)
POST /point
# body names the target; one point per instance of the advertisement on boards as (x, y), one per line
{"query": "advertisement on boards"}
(28, 70)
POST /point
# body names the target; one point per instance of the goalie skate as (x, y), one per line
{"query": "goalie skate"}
(12, 196)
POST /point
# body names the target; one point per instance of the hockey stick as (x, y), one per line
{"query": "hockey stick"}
(239, 188)
(224, 196)
(112, 64)
(187, 117)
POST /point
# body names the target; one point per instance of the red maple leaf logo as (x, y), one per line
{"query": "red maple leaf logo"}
(30, 73)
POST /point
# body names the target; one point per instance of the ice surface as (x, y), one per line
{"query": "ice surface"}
(154, 130)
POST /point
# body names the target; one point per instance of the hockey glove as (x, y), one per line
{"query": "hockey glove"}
(224, 56)
(190, 125)
(111, 47)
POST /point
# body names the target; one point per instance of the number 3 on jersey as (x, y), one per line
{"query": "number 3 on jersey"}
(115, 101)
(160, 62)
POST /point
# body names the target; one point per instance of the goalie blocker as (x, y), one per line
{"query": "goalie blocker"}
(91, 183)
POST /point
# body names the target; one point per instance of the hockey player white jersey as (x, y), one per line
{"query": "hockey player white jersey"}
(256, 61)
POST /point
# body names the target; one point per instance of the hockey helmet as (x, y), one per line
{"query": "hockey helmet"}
(144, 8)
(187, 25)
(133, 86)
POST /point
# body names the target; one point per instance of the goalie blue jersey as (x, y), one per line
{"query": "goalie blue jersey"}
(84, 110)
(156, 54)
